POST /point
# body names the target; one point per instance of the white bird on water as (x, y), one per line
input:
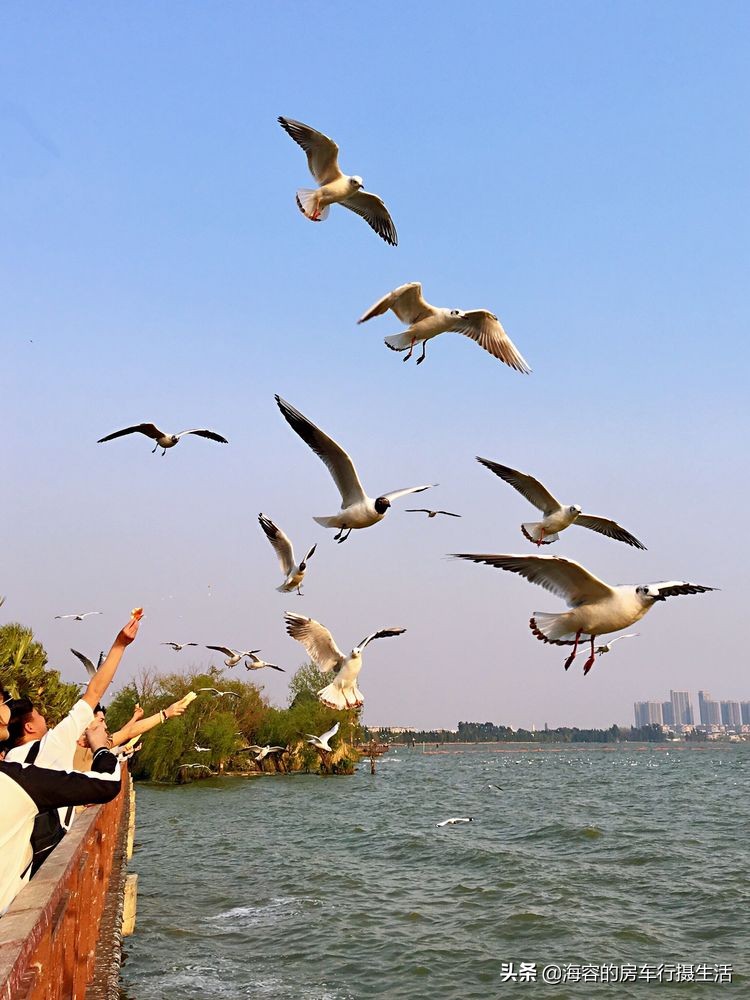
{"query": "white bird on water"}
(557, 517)
(342, 692)
(90, 668)
(456, 819)
(163, 440)
(233, 656)
(282, 546)
(596, 607)
(80, 617)
(254, 662)
(358, 510)
(177, 646)
(323, 742)
(335, 188)
(426, 321)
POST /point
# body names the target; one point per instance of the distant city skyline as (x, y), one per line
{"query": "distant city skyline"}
(678, 711)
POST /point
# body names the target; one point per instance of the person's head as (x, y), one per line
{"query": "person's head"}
(99, 718)
(26, 723)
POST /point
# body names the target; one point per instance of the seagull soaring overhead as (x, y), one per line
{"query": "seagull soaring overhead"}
(261, 752)
(556, 516)
(177, 646)
(80, 617)
(429, 513)
(233, 656)
(597, 608)
(335, 187)
(220, 694)
(293, 573)
(326, 655)
(323, 742)
(357, 509)
(163, 440)
(254, 663)
(601, 650)
(90, 668)
(426, 321)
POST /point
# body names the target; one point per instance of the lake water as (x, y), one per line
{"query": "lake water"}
(303, 888)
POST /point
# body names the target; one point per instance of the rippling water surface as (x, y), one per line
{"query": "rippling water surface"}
(305, 888)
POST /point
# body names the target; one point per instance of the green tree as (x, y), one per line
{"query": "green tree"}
(24, 674)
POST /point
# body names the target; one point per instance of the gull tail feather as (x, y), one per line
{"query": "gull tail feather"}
(533, 531)
(399, 341)
(335, 697)
(554, 628)
(307, 203)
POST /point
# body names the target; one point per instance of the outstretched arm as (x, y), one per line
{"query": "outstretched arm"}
(101, 680)
(131, 728)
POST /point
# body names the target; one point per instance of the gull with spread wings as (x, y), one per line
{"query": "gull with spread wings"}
(162, 439)
(357, 509)
(426, 321)
(90, 668)
(282, 546)
(335, 188)
(596, 607)
(233, 656)
(326, 655)
(80, 616)
(254, 662)
(323, 742)
(557, 517)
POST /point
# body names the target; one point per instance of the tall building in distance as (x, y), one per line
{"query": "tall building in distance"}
(731, 714)
(745, 712)
(667, 713)
(682, 708)
(710, 710)
(648, 713)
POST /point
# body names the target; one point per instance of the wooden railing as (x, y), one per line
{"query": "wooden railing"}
(61, 937)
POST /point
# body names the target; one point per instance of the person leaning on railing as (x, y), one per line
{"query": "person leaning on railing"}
(26, 789)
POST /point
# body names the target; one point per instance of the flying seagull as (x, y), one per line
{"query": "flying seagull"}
(233, 656)
(429, 513)
(177, 646)
(163, 440)
(79, 618)
(357, 509)
(326, 655)
(261, 752)
(597, 608)
(293, 573)
(204, 766)
(254, 663)
(333, 186)
(220, 694)
(90, 668)
(323, 742)
(601, 650)
(556, 516)
(426, 321)
(456, 819)
(201, 749)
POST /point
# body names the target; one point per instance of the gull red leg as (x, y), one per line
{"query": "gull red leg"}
(424, 352)
(540, 543)
(411, 349)
(575, 650)
(592, 657)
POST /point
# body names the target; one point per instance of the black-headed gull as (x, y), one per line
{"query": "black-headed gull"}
(220, 694)
(254, 662)
(201, 749)
(323, 742)
(162, 439)
(426, 321)
(80, 617)
(261, 752)
(335, 188)
(596, 608)
(429, 513)
(177, 646)
(606, 648)
(326, 655)
(90, 668)
(233, 656)
(357, 509)
(557, 517)
(294, 573)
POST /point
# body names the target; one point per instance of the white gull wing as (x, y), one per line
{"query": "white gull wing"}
(225, 650)
(485, 329)
(628, 635)
(563, 577)
(281, 544)
(322, 152)
(527, 486)
(316, 639)
(405, 301)
(325, 737)
(372, 209)
(410, 489)
(383, 633)
(609, 528)
(328, 451)
(90, 668)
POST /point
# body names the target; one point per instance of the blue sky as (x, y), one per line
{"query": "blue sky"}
(580, 169)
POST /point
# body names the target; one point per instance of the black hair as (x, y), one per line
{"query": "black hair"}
(20, 711)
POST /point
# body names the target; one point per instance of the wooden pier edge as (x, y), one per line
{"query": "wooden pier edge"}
(61, 939)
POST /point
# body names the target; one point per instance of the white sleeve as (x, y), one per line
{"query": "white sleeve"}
(58, 746)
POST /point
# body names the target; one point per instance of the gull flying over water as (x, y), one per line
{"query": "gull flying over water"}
(282, 546)
(204, 766)
(557, 517)
(261, 752)
(326, 655)
(429, 513)
(177, 646)
(255, 663)
(426, 321)
(323, 742)
(90, 668)
(162, 439)
(233, 656)
(334, 186)
(456, 819)
(357, 509)
(80, 617)
(596, 607)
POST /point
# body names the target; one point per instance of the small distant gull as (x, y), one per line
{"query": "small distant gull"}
(79, 618)
(255, 663)
(204, 766)
(426, 321)
(323, 742)
(456, 819)
(261, 752)
(601, 650)
(334, 187)
(317, 640)
(282, 546)
(233, 656)
(90, 668)
(201, 749)
(596, 607)
(220, 694)
(357, 509)
(496, 787)
(177, 646)
(429, 513)
(556, 516)
(162, 439)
